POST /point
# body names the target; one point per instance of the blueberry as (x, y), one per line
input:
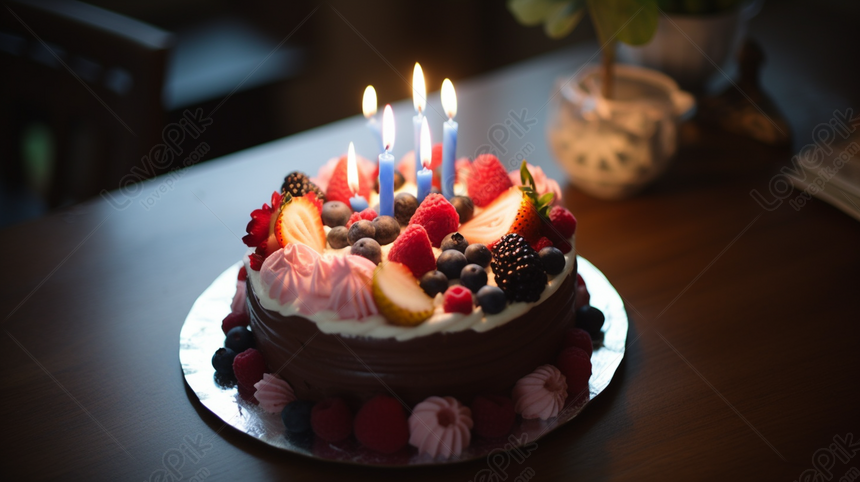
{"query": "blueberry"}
(335, 213)
(479, 254)
(360, 229)
(434, 282)
(239, 339)
(387, 229)
(337, 237)
(405, 205)
(591, 320)
(552, 260)
(297, 416)
(464, 206)
(399, 180)
(473, 277)
(222, 361)
(492, 299)
(451, 262)
(367, 248)
(454, 241)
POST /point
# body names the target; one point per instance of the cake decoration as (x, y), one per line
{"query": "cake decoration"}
(540, 394)
(575, 364)
(458, 299)
(413, 249)
(351, 278)
(487, 180)
(579, 338)
(249, 367)
(234, 319)
(273, 393)
(299, 222)
(437, 216)
(331, 420)
(381, 425)
(518, 269)
(397, 296)
(440, 427)
(296, 416)
(239, 339)
(298, 184)
(493, 416)
(543, 183)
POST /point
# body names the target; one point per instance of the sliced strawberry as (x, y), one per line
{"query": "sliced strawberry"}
(495, 220)
(528, 222)
(300, 222)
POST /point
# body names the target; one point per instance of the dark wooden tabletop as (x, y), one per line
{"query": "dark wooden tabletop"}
(742, 357)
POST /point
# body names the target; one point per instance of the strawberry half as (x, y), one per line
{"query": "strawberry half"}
(299, 222)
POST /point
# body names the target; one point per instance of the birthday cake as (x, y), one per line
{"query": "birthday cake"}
(417, 330)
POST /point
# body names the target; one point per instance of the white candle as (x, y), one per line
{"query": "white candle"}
(449, 139)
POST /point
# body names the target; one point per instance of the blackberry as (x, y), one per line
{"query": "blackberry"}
(518, 269)
(298, 184)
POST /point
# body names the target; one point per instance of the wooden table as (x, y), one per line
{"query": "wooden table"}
(742, 358)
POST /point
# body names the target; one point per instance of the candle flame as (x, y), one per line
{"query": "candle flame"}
(419, 89)
(368, 102)
(351, 169)
(425, 145)
(388, 127)
(449, 98)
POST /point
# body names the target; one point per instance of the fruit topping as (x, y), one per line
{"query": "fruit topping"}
(464, 206)
(451, 262)
(381, 425)
(454, 241)
(518, 270)
(233, 320)
(437, 216)
(563, 220)
(575, 364)
(458, 299)
(552, 260)
(491, 299)
(335, 213)
(259, 228)
(338, 237)
(591, 320)
(493, 416)
(398, 296)
(479, 254)
(487, 180)
(297, 416)
(300, 222)
(298, 184)
(338, 186)
(387, 229)
(473, 277)
(367, 248)
(578, 338)
(368, 214)
(360, 229)
(541, 243)
(405, 205)
(222, 361)
(433, 283)
(583, 298)
(495, 220)
(249, 367)
(412, 248)
(331, 420)
(239, 339)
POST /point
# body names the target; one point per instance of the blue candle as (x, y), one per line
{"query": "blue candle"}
(419, 101)
(424, 177)
(449, 139)
(377, 134)
(357, 203)
(386, 165)
(416, 125)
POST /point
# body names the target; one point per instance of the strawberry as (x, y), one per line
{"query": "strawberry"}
(338, 186)
(527, 222)
(413, 249)
(437, 216)
(487, 180)
(381, 425)
(300, 222)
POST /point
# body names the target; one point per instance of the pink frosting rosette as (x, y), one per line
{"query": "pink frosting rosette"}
(440, 427)
(540, 394)
(238, 304)
(543, 183)
(296, 274)
(273, 393)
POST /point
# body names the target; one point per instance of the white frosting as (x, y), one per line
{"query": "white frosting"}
(377, 327)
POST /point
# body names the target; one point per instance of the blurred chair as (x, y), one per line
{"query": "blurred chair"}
(81, 99)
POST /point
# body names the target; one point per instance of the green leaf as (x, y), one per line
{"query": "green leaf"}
(530, 12)
(563, 19)
(526, 177)
(545, 199)
(630, 21)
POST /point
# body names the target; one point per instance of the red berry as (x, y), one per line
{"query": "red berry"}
(575, 364)
(582, 296)
(458, 299)
(249, 367)
(243, 274)
(331, 420)
(438, 216)
(578, 338)
(412, 248)
(436, 157)
(493, 416)
(555, 236)
(381, 425)
(368, 214)
(258, 226)
(233, 320)
(542, 243)
(563, 221)
(487, 179)
(338, 186)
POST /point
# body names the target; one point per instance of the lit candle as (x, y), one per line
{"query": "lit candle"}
(425, 175)
(419, 101)
(449, 139)
(386, 165)
(357, 202)
(368, 108)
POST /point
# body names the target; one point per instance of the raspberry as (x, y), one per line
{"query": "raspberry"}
(243, 274)
(582, 296)
(368, 215)
(542, 243)
(338, 186)
(438, 216)
(555, 237)
(578, 338)
(493, 416)
(487, 179)
(518, 269)
(331, 420)
(381, 425)
(249, 367)
(233, 320)
(575, 364)
(413, 249)
(563, 221)
(458, 299)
